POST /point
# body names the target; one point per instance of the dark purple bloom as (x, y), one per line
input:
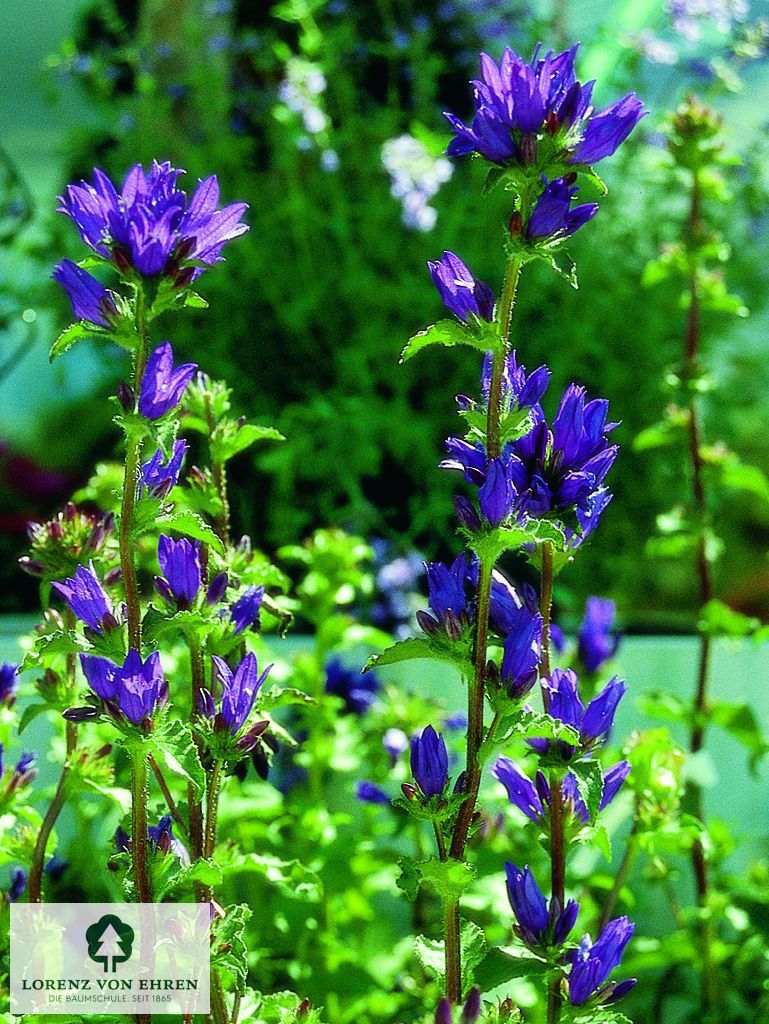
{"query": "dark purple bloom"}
(553, 216)
(8, 682)
(456, 721)
(520, 789)
(162, 833)
(122, 840)
(358, 691)
(564, 703)
(245, 611)
(443, 1014)
(461, 293)
(239, 689)
(159, 477)
(149, 224)
(446, 588)
(136, 687)
(163, 385)
(537, 925)
(592, 963)
(496, 495)
(18, 885)
(25, 764)
(180, 563)
(369, 793)
(596, 639)
(87, 599)
(471, 1011)
(56, 867)
(101, 675)
(429, 762)
(90, 299)
(517, 103)
(521, 652)
(217, 588)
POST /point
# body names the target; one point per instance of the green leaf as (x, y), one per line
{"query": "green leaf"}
(450, 333)
(68, 337)
(282, 697)
(178, 752)
(191, 525)
(228, 446)
(472, 942)
(663, 705)
(419, 647)
(30, 713)
(194, 301)
(740, 721)
(229, 950)
(409, 878)
(718, 619)
(499, 966)
(431, 955)
(204, 871)
(590, 784)
(449, 878)
(292, 878)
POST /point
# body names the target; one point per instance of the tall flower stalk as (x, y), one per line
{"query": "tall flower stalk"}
(539, 490)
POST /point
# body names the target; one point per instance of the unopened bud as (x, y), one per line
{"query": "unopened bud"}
(529, 149)
(84, 714)
(428, 624)
(409, 791)
(516, 224)
(31, 566)
(443, 1012)
(126, 396)
(113, 576)
(453, 626)
(303, 1009)
(472, 1009)
(121, 260)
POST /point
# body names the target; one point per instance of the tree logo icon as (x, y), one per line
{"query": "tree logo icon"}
(110, 942)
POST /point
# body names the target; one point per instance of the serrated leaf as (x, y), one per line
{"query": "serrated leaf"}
(472, 942)
(281, 697)
(449, 878)
(431, 955)
(229, 950)
(178, 752)
(191, 525)
(204, 871)
(418, 647)
(740, 721)
(227, 447)
(718, 619)
(409, 878)
(663, 705)
(68, 337)
(194, 301)
(450, 333)
(499, 966)
(590, 784)
(290, 877)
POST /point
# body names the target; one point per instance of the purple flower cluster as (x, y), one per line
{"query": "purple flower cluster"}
(157, 476)
(429, 762)
(238, 693)
(593, 723)
(519, 104)
(86, 597)
(538, 925)
(149, 225)
(357, 691)
(135, 689)
(533, 798)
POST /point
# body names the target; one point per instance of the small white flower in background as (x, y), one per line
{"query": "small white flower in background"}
(415, 175)
(299, 91)
(688, 16)
(656, 50)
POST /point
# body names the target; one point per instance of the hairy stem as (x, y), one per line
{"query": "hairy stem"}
(220, 480)
(212, 809)
(171, 803)
(139, 794)
(54, 810)
(194, 804)
(476, 686)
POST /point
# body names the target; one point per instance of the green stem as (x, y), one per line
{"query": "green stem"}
(54, 810)
(631, 848)
(212, 808)
(220, 481)
(476, 686)
(194, 804)
(546, 607)
(139, 794)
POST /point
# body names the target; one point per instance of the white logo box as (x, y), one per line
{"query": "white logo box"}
(97, 958)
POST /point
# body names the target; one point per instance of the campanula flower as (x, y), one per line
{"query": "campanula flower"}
(369, 793)
(149, 225)
(597, 642)
(358, 691)
(520, 389)
(159, 477)
(55, 867)
(593, 723)
(245, 611)
(180, 563)
(90, 300)
(429, 762)
(86, 597)
(239, 690)
(446, 596)
(8, 683)
(554, 217)
(497, 494)
(592, 963)
(217, 588)
(163, 385)
(137, 688)
(521, 652)
(25, 764)
(533, 800)
(537, 925)
(521, 107)
(18, 885)
(461, 293)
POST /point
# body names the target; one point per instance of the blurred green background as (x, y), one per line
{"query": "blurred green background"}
(316, 112)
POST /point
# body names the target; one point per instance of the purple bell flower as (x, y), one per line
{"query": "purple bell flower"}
(521, 652)
(358, 691)
(429, 762)
(612, 783)
(8, 682)
(150, 225)
(101, 674)
(517, 102)
(520, 789)
(17, 886)
(141, 686)
(553, 217)
(239, 690)
(159, 478)
(86, 597)
(163, 385)
(90, 299)
(537, 925)
(369, 793)
(520, 389)
(597, 643)
(593, 723)
(592, 963)
(446, 588)
(180, 563)
(461, 293)
(496, 496)
(245, 611)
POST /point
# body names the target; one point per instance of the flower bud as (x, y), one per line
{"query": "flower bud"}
(125, 396)
(453, 626)
(428, 624)
(113, 576)
(408, 790)
(472, 1008)
(529, 149)
(83, 714)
